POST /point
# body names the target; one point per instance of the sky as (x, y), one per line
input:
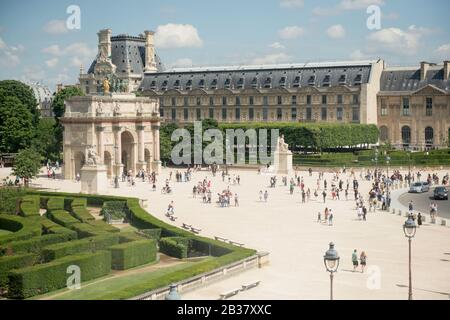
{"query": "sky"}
(47, 41)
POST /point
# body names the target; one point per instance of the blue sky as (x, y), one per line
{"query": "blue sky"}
(36, 45)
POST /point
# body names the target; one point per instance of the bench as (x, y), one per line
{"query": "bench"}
(195, 230)
(173, 218)
(229, 294)
(236, 243)
(186, 226)
(220, 239)
(250, 285)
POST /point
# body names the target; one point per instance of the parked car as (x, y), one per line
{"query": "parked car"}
(419, 187)
(440, 193)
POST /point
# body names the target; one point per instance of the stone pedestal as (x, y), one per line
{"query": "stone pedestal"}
(141, 165)
(94, 179)
(283, 162)
(156, 166)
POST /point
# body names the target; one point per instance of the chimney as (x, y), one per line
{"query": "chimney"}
(104, 44)
(446, 69)
(423, 70)
(150, 63)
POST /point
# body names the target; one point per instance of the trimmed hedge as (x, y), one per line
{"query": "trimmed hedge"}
(63, 218)
(174, 246)
(103, 226)
(85, 230)
(29, 206)
(82, 214)
(129, 236)
(90, 244)
(115, 209)
(42, 278)
(8, 263)
(22, 228)
(55, 203)
(151, 233)
(35, 244)
(133, 254)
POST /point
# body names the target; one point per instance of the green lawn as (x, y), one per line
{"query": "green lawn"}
(4, 232)
(112, 288)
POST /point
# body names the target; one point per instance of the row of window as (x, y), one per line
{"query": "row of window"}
(406, 134)
(406, 109)
(251, 100)
(265, 112)
(266, 82)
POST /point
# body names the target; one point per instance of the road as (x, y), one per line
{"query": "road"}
(421, 202)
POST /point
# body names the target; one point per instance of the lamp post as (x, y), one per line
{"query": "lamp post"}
(409, 228)
(409, 167)
(375, 160)
(331, 261)
(388, 180)
(173, 293)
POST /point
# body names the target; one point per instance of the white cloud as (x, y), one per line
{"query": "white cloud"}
(396, 40)
(291, 32)
(55, 27)
(328, 11)
(358, 55)
(53, 50)
(272, 59)
(34, 73)
(182, 63)
(79, 53)
(276, 45)
(51, 63)
(359, 4)
(9, 55)
(292, 3)
(177, 36)
(444, 51)
(336, 32)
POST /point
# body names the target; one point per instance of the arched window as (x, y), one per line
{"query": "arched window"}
(406, 135)
(429, 135)
(384, 133)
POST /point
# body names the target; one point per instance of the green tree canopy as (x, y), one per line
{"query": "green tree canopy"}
(45, 141)
(22, 92)
(27, 164)
(16, 125)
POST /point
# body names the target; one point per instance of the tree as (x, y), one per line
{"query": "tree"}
(59, 109)
(27, 164)
(16, 125)
(45, 141)
(22, 92)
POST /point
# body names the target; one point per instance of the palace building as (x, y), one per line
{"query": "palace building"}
(411, 106)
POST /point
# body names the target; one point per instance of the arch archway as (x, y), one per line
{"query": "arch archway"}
(147, 158)
(384, 133)
(79, 160)
(128, 146)
(107, 160)
(429, 136)
(406, 135)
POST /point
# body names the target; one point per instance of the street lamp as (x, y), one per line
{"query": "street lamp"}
(409, 228)
(409, 167)
(388, 180)
(173, 293)
(331, 261)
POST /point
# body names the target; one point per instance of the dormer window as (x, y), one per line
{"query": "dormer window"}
(312, 80)
(358, 79)
(326, 81)
(296, 83)
(342, 79)
(255, 82)
(176, 85)
(189, 84)
(283, 82)
(153, 85)
(201, 83)
(240, 83)
(268, 82)
(214, 84)
(227, 83)
(164, 85)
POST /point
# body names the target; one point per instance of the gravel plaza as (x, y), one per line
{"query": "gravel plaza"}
(288, 229)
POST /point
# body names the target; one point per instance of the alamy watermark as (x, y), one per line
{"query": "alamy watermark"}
(73, 21)
(73, 282)
(194, 150)
(374, 20)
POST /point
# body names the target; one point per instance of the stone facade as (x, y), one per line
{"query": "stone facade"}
(123, 128)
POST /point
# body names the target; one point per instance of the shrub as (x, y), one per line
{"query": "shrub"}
(174, 246)
(129, 236)
(55, 203)
(63, 218)
(103, 226)
(9, 199)
(86, 230)
(35, 244)
(8, 263)
(151, 233)
(29, 206)
(22, 228)
(91, 244)
(79, 202)
(42, 278)
(115, 210)
(82, 214)
(132, 254)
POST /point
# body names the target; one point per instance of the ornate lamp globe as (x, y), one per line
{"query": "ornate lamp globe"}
(409, 227)
(173, 293)
(331, 259)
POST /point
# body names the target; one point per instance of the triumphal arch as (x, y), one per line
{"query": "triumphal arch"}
(121, 129)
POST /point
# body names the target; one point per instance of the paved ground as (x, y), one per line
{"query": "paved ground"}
(288, 230)
(421, 202)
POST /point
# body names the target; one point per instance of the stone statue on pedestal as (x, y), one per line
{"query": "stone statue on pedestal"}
(92, 157)
(282, 146)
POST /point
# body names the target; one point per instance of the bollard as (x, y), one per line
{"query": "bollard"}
(399, 212)
(443, 222)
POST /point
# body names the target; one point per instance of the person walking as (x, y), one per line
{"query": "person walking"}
(355, 260)
(330, 219)
(410, 207)
(266, 195)
(171, 208)
(260, 195)
(363, 261)
(236, 200)
(419, 220)
(319, 217)
(324, 195)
